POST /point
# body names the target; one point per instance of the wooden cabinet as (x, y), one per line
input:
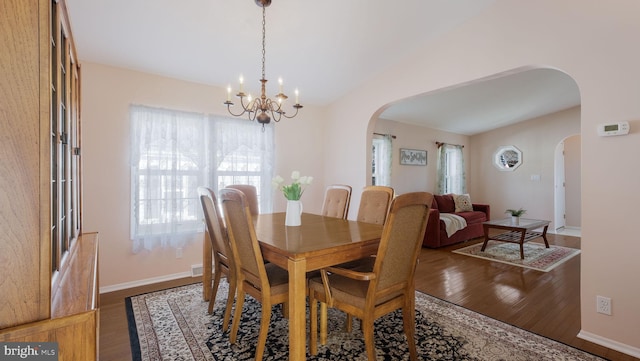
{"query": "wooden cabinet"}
(48, 268)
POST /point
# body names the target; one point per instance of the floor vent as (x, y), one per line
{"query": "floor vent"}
(196, 270)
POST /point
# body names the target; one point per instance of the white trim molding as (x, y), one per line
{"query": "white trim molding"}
(614, 345)
(144, 282)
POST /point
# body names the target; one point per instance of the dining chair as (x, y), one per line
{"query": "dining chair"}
(267, 283)
(251, 193)
(217, 235)
(336, 201)
(371, 292)
(374, 208)
(374, 204)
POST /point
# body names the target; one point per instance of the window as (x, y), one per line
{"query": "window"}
(173, 153)
(451, 175)
(381, 160)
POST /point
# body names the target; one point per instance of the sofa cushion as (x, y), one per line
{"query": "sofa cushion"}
(473, 217)
(445, 203)
(462, 202)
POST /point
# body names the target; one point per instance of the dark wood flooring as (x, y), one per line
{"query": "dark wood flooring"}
(544, 303)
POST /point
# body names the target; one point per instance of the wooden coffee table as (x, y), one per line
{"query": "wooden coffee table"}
(516, 233)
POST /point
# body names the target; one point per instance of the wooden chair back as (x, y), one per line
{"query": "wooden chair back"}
(216, 233)
(336, 201)
(252, 196)
(374, 204)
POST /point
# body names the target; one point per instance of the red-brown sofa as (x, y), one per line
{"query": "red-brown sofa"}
(436, 235)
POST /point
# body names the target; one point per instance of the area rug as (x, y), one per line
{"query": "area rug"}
(536, 255)
(173, 324)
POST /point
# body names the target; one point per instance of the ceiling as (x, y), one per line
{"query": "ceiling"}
(325, 49)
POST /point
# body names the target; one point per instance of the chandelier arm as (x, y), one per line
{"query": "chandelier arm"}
(276, 116)
(251, 115)
(234, 114)
(297, 107)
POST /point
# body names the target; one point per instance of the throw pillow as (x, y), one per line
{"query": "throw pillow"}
(463, 203)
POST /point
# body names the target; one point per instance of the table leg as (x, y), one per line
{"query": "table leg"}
(206, 266)
(486, 237)
(524, 233)
(544, 236)
(297, 309)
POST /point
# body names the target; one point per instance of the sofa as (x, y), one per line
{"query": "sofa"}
(473, 213)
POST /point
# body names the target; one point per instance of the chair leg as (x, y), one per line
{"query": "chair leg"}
(349, 323)
(237, 316)
(214, 289)
(230, 298)
(323, 323)
(313, 324)
(366, 324)
(264, 330)
(409, 324)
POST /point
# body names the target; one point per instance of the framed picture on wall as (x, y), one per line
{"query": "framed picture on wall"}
(413, 157)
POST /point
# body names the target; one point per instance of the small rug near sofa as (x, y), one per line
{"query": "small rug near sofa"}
(173, 324)
(536, 255)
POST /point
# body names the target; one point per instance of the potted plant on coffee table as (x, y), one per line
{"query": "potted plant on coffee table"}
(515, 215)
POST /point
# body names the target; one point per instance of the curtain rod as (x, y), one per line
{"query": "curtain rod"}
(440, 144)
(392, 136)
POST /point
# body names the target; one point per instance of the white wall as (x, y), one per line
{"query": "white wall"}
(411, 178)
(573, 194)
(107, 93)
(537, 140)
(594, 43)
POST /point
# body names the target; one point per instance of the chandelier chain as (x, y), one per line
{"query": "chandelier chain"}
(264, 41)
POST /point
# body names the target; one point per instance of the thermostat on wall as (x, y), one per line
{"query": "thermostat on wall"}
(605, 130)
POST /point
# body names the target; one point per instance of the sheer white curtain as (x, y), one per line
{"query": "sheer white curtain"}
(167, 159)
(450, 168)
(382, 159)
(173, 153)
(244, 153)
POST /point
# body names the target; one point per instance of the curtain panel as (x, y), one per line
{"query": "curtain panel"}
(175, 152)
(451, 177)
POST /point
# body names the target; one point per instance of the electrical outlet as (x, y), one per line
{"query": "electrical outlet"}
(603, 305)
(179, 252)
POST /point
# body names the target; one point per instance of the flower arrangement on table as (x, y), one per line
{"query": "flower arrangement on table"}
(293, 191)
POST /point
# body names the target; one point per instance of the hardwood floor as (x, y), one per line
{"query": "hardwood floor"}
(544, 303)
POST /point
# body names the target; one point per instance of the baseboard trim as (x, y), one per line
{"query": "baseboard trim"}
(614, 345)
(144, 282)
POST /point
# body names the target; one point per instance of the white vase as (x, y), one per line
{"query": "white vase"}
(515, 221)
(294, 213)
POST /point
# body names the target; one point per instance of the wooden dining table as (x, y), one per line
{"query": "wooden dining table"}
(319, 242)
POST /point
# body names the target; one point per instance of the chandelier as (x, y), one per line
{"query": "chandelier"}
(262, 108)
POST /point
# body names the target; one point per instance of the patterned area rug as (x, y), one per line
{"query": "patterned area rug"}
(536, 255)
(173, 324)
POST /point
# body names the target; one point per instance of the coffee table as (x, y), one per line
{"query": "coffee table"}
(516, 233)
